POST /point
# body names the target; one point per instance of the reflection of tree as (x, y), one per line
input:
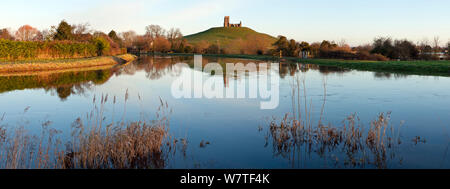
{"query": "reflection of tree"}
(64, 92)
(293, 68)
(155, 67)
(158, 67)
(387, 75)
(64, 84)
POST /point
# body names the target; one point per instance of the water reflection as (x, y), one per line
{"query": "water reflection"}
(387, 75)
(63, 84)
(301, 139)
(229, 125)
(78, 82)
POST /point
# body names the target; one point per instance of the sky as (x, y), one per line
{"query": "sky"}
(353, 21)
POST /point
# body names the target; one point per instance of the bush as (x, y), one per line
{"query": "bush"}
(365, 55)
(64, 31)
(378, 57)
(213, 49)
(102, 45)
(20, 50)
(188, 49)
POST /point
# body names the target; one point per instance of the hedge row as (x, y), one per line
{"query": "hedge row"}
(18, 50)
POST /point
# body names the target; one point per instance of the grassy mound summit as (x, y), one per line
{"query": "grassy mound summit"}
(233, 40)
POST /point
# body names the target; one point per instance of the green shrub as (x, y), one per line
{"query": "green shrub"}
(15, 50)
(102, 45)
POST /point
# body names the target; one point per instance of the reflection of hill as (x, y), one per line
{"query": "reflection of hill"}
(158, 66)
(65, 83)
(155, 67)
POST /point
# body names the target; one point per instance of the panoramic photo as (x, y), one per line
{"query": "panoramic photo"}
(209, 93)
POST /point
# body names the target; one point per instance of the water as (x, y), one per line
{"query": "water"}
(237, 128)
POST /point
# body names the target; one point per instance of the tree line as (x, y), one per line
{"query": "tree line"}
(72, 41)
(382, 49)
(156, 39)
(63, 41)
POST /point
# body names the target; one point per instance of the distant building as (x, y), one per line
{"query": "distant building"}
(439, 55)
(227, 24)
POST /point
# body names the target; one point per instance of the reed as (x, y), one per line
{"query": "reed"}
(93, 144)
(296, 138)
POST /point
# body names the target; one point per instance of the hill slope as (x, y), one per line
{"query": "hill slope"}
(233, 40)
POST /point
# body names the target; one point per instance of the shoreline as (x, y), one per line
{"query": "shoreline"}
(64, 64)
(417, 67)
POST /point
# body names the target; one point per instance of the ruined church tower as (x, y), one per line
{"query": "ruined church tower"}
(226, 23)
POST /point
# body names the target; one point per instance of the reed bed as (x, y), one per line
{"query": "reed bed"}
(93, 144)
(296, 138)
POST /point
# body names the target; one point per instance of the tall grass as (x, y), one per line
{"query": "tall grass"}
(296, 137)
(93, 143)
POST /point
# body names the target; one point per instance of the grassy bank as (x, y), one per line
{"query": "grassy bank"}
(46, 65)
(433, 68)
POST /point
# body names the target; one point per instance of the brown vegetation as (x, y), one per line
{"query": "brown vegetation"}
(64, 41)
(28, 33)
(296, 137)
(94, 145)
(215, 41)
(382, 49)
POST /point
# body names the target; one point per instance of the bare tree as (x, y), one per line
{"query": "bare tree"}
(175, 37)
(424, 42)
(173, 34)
(154, 31)
(436, 43)
(141, 43)
(342, 43)
(49, 34)
(128, 37)
(28, 33)
(6, 34)
(80, 29)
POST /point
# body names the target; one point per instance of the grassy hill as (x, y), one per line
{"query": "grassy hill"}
(233, 40)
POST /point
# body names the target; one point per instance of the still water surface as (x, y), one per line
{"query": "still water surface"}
(237, 129)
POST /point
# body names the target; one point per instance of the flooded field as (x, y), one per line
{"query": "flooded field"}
(326, 118)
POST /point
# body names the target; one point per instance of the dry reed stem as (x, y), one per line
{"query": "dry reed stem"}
(143, 144)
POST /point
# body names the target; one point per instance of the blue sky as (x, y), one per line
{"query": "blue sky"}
(355, 21)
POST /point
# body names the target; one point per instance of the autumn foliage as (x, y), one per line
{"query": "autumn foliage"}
(64, 41)
(23, 50)
(28, 33)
